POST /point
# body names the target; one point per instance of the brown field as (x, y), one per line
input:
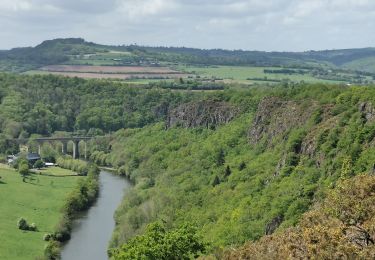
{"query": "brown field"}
(109, 69)
(90, 75)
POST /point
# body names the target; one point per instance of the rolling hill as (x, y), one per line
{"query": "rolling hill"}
(78, 51)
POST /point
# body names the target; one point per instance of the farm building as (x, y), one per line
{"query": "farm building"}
(30, 157)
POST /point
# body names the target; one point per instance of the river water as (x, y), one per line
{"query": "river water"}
(92, 232)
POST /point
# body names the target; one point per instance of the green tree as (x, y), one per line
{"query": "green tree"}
(158, 243)
(38, 164)
(346, 168)
(23, 169)
(216, 181)
(220, 157)
(228, 171)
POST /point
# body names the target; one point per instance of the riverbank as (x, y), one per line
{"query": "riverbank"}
(81, 198)
(38, 200)
(94, 228)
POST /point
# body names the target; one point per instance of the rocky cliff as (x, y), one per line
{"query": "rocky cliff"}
(208, 114)
(276, 117)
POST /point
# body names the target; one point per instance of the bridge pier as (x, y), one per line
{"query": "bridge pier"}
(64, 141)
(40, 148)
(64, 148)
(76, 149)
(85, 150)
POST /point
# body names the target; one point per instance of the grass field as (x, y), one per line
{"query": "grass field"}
(38, 201)
(241, 74)
(247, 75)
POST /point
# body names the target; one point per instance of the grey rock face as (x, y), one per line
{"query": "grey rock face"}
(367, 110)
(208, 114)
(273, 225)
(276, 117)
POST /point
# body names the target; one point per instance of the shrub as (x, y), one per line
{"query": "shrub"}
(38, 164)
(52, 250)
(22, 224)
(23, 168)
(33, 227)
(47, 237)
(81, 198)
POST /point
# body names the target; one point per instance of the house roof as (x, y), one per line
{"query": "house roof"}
(29, 156)
(32, 156)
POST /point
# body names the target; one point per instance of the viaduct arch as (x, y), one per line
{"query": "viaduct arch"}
(64, 141)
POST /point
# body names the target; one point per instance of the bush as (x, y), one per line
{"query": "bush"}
(23, 168)
(33, 227)
(81, 198)
(47, 237)
(22, 224)
(38, 164)
(52, 250)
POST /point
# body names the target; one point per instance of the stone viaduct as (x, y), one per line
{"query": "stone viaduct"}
(64, 141)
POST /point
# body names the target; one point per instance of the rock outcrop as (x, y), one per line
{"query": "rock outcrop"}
(367, 110)
(273, 225)
(276, 117)
(208, 114)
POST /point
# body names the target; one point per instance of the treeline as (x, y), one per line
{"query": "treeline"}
(285, 71)
(186, 84)
(80, 199)
(45, 104)
(78, 166)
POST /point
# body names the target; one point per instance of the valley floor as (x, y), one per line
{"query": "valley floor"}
(39, 201)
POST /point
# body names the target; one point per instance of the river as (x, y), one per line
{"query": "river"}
(92, 232)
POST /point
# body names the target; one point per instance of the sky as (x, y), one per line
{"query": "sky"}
(265, 25)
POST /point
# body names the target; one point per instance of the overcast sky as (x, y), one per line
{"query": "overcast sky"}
(277, 25)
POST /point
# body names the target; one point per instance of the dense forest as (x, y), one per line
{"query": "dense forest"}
(212, 170)
(280, 152)
(42, 105)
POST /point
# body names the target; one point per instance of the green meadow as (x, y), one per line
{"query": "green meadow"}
(39, 201)
(241, 74)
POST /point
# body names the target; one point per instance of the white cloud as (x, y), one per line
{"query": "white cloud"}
(246, 24)
(14, 5)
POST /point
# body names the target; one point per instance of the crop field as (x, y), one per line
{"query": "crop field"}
(39, 201)
(247, 75)
(110, 69)
(111, 72)
(115, 76)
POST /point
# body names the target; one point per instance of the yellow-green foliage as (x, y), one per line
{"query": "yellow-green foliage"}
(343, 227)
(159, 243)
(78, 166)
(233, 189)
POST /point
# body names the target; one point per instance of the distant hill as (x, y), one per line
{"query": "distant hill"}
(48, 52)
(60, 51)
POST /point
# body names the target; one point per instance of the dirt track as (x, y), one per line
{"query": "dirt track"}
(110, 69)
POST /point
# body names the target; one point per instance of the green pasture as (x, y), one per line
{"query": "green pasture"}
(39, 201)
(242, 73)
